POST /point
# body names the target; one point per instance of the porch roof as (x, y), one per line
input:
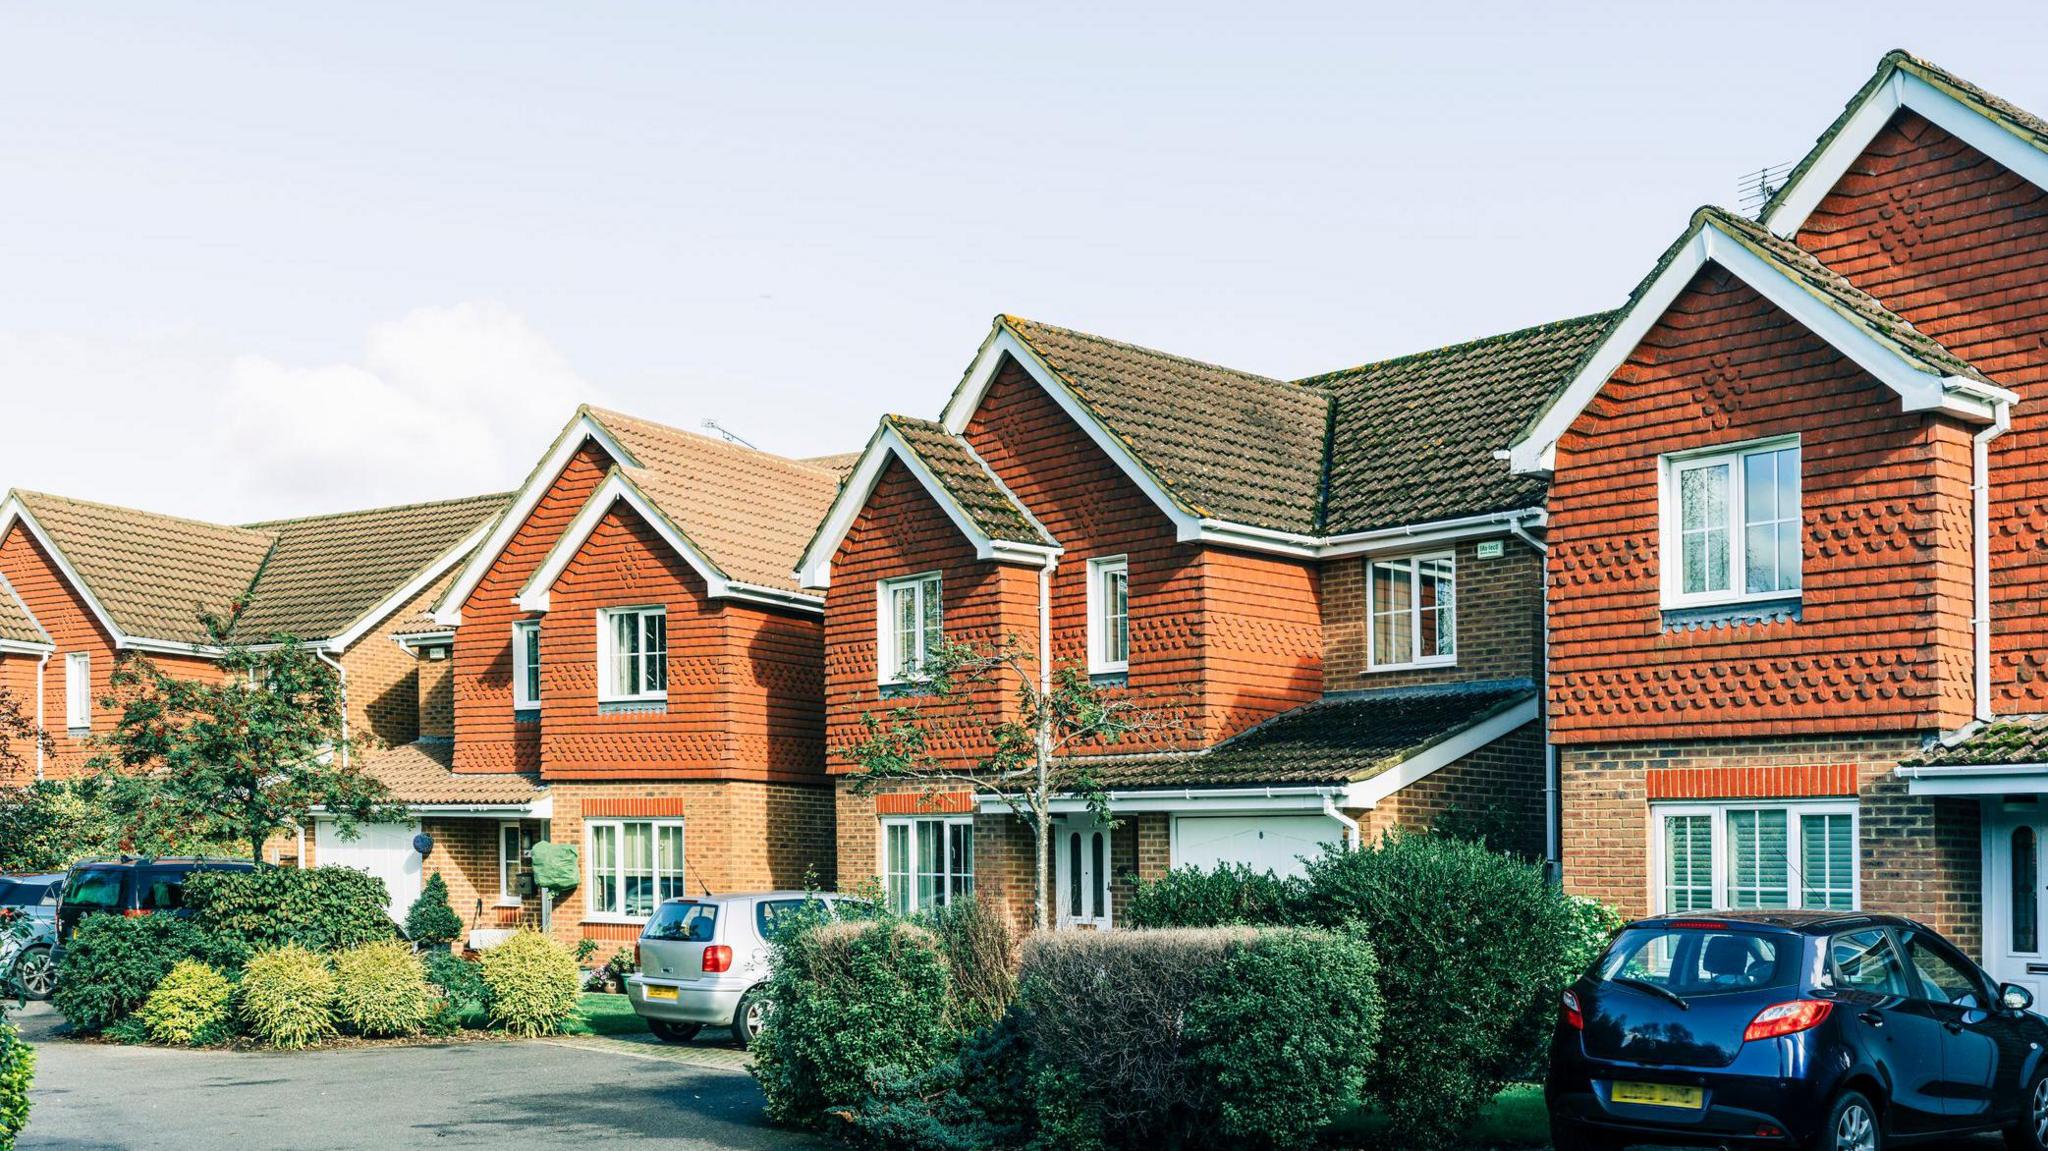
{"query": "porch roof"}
(421, 774)
(2006, 740)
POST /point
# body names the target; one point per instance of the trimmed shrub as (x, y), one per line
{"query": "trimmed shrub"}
(467, 998)
(430, 921)
(381, 989)
(1230, 895)
(112, 964)
(17, 1070)
(850, 999)
(977, 1100)
(287, 997)
(982, 954)
(533, 982)
(317, 908)
(191, 1007)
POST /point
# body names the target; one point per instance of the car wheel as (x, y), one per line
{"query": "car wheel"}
(1852, 1126)
(1566, 1135)
(750, 1017)
(674, 1032)
(36, 974)
(2031, 1132)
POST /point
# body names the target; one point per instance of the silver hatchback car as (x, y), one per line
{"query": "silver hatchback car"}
(703, 962)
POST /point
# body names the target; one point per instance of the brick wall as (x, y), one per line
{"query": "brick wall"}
(1496, 790)
(436, 680)
(1499, 621)
(465, 856)
(384, 689)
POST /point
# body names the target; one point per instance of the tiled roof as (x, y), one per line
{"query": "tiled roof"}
(1227, 444)
(2008, 739)
(969, 483)
(153, 573)
(1340, 739)
(750, 512)
(327, 571)
(419, 773)
(1412, 438)
(840, 462)
(17, 623)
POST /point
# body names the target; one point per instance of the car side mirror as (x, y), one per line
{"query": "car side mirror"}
(2015, 998)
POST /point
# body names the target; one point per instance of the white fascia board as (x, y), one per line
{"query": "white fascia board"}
(404, 595)
(1369, 792)
(583, 427)
(1204, 799)
(540, 808)
(1978, 780)
(1406, 537)
(1904, 89)
(1003, 342)
(18, 647)
(13, 512)
(413, 639)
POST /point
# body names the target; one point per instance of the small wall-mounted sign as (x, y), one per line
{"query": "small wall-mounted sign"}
(1489, 549)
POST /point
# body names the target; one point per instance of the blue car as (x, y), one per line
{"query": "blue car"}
(1830, 1030)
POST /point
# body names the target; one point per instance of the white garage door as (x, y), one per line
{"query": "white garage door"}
(382, 849)
(1262, 842)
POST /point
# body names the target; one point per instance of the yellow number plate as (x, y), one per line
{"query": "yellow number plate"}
(668, 993)
(1660, 1095)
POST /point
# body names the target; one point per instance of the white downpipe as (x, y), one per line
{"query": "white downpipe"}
(341, 671)
(1045, 625)
(1980, 546)
(301, 829)
(1351, 833)
(42, 669)
(1553, 784)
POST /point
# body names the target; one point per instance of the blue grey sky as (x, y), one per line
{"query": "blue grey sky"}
(267, 259)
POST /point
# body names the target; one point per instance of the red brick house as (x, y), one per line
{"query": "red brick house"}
(1330, 586)
(627, 665)
(1795, 559)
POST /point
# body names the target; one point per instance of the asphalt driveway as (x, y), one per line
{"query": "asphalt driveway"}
(534, 1094)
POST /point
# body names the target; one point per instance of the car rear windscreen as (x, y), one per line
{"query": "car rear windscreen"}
(1693, 961)
(682, 923)
(95, 889)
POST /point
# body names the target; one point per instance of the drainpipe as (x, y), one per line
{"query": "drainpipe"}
(42, 735)
(341, 671)
(1980, 525)
(1331, 809)
(1553, 791)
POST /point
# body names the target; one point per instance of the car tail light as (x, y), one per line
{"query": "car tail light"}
(1573, 1017)
(1788, 1019)
(1698, 925)
(638, 960)
(718, 957)
(134, 912)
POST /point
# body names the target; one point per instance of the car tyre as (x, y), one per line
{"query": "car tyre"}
(35, 973)
(750, 1017)
(2030, 1132)
(674, 1032)
(1853, 1125)
(1566, 1135)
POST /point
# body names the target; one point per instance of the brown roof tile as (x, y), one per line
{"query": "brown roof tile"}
(17, 623)
(419, 773)
(969, 483)
(2008, 739)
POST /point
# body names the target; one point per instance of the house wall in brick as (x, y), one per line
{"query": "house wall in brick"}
(436, 682)
(384, 690)
(1499, 620)
(18, 682)
(1495, 791)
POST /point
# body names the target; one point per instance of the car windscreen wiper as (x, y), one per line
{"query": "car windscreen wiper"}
(1659, 992)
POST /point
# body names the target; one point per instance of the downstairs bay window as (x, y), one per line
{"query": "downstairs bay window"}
(1747, 855)
(634, 865)
(927, 862)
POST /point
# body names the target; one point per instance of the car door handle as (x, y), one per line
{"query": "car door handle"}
(1952, 1027)
(1872, 1018)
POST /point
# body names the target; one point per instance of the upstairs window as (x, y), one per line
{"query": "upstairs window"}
(632, 654)
(912, 626)
(1412, 621)
(1732, 526)
(78, 691)
(526, 665)
(1109, 616)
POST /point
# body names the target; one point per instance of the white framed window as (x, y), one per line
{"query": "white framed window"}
(1412, 611)
(911, 625)
(1731, 523)
(634, 865)
(526, 665)
(78, 691)
(632, 653)
(1109, 615)
(927, 862)
(513, 844)
(1745, 854)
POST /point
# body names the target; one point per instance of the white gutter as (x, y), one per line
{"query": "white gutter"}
(1357, 543)
(1553, 782)
(1292, 798)
(341, 671)
(41, 731)
(1331, 809)
(1980, 546)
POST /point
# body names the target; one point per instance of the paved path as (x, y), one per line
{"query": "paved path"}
(537, 1095)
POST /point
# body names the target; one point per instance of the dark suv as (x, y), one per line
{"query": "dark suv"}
(1793, 1029)
(129, 887)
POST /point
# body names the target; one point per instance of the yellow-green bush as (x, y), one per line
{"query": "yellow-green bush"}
(191, 1007)
(287, 997)
(381, 989)
(534, 982)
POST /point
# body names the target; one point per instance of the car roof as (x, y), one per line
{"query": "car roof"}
(171, 861)
(34, 877)
(746, 896)
(1804, 922)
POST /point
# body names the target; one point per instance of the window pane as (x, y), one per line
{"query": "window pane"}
(1392, 591)
(604, 868)
(1827, 862)
(931, 606)
(654, 654)
(1115, 623)
(508, 860)
(1864, 961)
(1703, 497)
(962, 838)
(1760, 557)
(1788, 555)
(898, 866)
(529, 642)
(1074, 874)
(1758, 865)
(1100, 875)
(2026, 891)
(1688, 863)
(1936, 976)
(1437, 592)
(904, 637)
(670, 862)
(931, 863)
(637, 868)
(625, 653)
(1703, 523)
(1760, 487)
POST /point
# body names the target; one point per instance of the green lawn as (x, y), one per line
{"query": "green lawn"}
(1515, 1119)
(601, 1014)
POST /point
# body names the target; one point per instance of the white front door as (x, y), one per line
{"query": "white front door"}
(1081, 856)
(382, 849)
(2015, 912)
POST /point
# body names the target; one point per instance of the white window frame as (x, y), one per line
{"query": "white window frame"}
(886, 661)
(1717, 812)
(1372, 625)
(524, 665)
(607, 686)
(1099, 571)
(946, 825)
(662, 891)
(508, 865)
(78, 691)
(1671, 562)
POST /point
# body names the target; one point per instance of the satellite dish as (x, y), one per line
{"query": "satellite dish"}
(423, 843)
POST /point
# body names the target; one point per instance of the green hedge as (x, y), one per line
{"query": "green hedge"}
(17, 1071)
(533, 981)
(1232, 894)
(112, 963)
(317, 908)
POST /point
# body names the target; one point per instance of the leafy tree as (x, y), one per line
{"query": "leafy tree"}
(17, 732)
(430, 921)
(51, 824)
(234, 758)
(1030, 758)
